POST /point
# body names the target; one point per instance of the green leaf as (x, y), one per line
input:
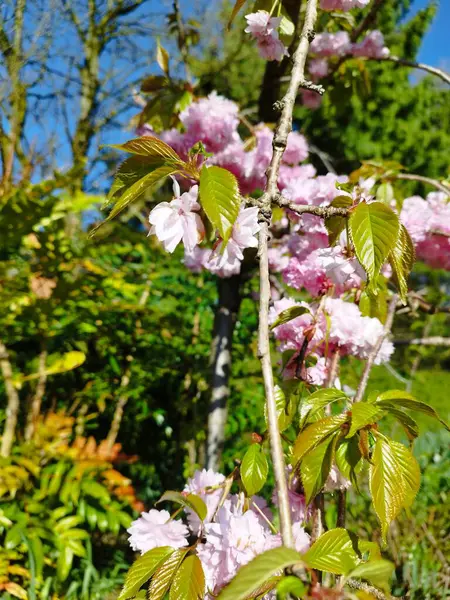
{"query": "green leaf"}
(163, 577)
(154, 83)
(129, 172)
(64, 563)
(385, 193)
(363, 414)
(162, 57)
(70, 522)
(152, 148)
(135, 190)
(348, 459)
(315, 467)
(335, 225)
(287, 27)
(377, 572)
(335, 551)
(371, 548)
(252, 575)
(410, 471)
(406, 400)
(402, 259)
(290, 585)
(374, 229)
(374, 306)
(286, 407)
(189, 580)
(310, 437)
(386, 484)
(219, 196)
(143, 569)
(288, 314)
(236, 8)
(96, 490)
(310, 405)
(254, 469)
(409, 425)
(190, 501)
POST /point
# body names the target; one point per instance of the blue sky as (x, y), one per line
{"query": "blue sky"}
(435, 49)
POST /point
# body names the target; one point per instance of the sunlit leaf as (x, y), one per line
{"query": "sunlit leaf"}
(402, 259)
(288, 314)
(219, 196)
(236, 8)
(310, 405)
(335, 225)
(377, 572)
(162, 57)
(143, 569)
(315, 467)
(190, 501)
(254, 469)
(152, 148)
(403, 399)
(163, 577)
(335, 551)
(410, 471)
(363, 414)
(310, 437)
(189, 580)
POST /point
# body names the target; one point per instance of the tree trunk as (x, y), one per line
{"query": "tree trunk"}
(36, 402)
(12, 408)
(224, 322)
(118, 413)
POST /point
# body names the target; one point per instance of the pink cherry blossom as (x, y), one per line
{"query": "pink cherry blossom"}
(199, 484)
(344, 5)
(318, 68)
(302, 540)
(342, 271)
(372, 46)
(336, 481)
(331, 44)
(311, 99)
(263, 28)
(177, 220)
(155, 529)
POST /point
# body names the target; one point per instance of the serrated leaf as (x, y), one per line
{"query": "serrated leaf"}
(189, 580)
(143, 569)
(152, 148)
(129, 172)
(406, 400)
(236, 8)
(316, 466)
(335, 225)
(363, 414)
(377, 572)
(163, 577)
(288, 314)
(254, 469)
(134, 191)
(310, 405)
(190, 501)
(335, 552)
(286, 407)
(162, 57)
(386, 484)
(374, 306)
(348, 459)
(409, 425)
(374, 229)
(220, 199)
(258, 571)
(310, 437)
(410, 471)
(402, 259)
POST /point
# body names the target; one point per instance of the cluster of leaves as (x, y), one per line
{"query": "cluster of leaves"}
(55, 498)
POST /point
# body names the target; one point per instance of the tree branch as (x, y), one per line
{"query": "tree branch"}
(415, 65)
(372, 356)
(437, 184)
(365, 587)
(435, 340)
(12, 407)
(271, 193)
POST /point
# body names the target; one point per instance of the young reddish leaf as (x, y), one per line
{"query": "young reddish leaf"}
(333, 552)
(402, 259)
(387, 485)
(189, 580)
(154, 83)
(254, 469)
(190, 501)
(154, 150)
(163, 577)
(220, 199)
(374, 229)
(252, 575)
(310, 437)
(143, 569)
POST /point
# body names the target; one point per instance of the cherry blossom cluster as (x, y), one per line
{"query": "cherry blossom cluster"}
(264, 29)
(344, 5)
(234, 531)
(428, 223)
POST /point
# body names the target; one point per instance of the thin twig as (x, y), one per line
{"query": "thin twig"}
(365, 587)
(434, 340)
(415, 65)
(437, 184)
(279, 145)
(341, 508)
(374, 353)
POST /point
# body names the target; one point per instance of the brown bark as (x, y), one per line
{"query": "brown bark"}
(36, 402)
(13, 403)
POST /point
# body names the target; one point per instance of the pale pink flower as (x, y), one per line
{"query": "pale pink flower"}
(311, 99)
(302, 540)
(242, 237)
(177, 220)
(296, 149)
(300, 513)
(344, 5)
(155, 529)
(318, 68)
(336, 481)
(331, 44)
(372, 46)
(199, 485)
(342, 271)
(263, 28)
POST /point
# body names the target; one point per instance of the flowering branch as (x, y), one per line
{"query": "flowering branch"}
(373, 354)
(271, 194)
